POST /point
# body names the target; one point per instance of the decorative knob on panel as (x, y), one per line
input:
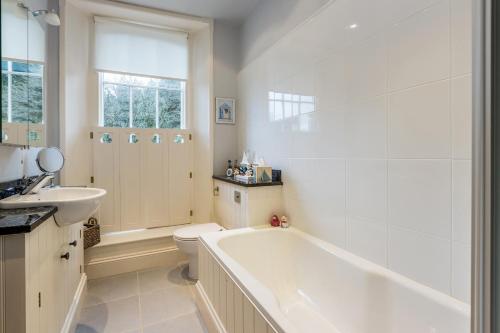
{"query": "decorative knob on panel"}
(65, 256)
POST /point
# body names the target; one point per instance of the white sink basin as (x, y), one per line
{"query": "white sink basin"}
(74, 204)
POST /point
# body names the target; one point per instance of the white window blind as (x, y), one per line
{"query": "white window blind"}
(131, 48)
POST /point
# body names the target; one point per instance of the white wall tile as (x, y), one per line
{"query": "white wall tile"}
(11, 167)
(426, 259)
(461, 113)
(419, 122)
(368, 240)
(390, 117)
(367, 68)
(461, 271)
(319, 203)
(461, 37)
(366, 129)
(420, 195)
(461, 213)
(368, 190)
(419, 48)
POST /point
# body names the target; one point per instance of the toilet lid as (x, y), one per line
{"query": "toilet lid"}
(194, 231)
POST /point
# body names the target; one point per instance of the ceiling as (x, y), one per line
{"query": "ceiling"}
(229, 11)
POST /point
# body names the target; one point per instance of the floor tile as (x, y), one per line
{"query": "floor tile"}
(114, 317)
(111, 289)
(191, 323)
(161, 305)
(161, 278)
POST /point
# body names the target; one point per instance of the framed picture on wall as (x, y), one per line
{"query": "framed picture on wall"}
(225, 111)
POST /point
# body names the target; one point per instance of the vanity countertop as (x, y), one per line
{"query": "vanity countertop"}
(23, 220)
(233, 181)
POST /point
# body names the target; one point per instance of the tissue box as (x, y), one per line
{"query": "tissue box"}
(263, 174)
(244, 179)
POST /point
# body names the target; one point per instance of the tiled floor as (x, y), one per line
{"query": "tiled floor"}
(154, 301)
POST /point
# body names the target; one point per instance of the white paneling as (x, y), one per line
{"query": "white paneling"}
(421, 257)
(148, 183)
(238, 311)
(419, 47)
(461, 112)
(248, 316)
(419, 122)
(233, 308)
(260, 323)
(420, 195)
(130, 180)
(155, 181)
(181, 185)
(106, 173)
(230, 308)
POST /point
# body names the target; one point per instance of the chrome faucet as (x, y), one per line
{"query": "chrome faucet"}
(39, 183)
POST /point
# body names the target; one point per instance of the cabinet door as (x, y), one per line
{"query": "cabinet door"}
(52, 278)
(76, 259)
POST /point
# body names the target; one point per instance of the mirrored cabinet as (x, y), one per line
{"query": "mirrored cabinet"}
(24, 51)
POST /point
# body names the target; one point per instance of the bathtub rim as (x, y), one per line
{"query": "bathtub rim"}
(262, 298)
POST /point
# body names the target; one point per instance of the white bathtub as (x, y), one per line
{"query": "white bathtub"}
(302, 284)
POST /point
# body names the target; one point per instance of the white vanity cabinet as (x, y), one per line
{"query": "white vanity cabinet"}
(239, 206)
(40, 273)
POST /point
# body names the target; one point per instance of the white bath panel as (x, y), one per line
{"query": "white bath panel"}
(222, 303)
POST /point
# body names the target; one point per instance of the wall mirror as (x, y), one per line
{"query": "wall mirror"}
(29, 52)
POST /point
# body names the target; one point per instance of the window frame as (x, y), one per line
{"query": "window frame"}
(9, 72)
(184, 98)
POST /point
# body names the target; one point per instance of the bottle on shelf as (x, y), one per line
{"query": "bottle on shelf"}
(229, 170)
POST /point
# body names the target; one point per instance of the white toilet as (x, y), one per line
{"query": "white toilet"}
(187, 242)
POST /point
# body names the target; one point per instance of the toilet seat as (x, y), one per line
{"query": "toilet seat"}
(192, 233)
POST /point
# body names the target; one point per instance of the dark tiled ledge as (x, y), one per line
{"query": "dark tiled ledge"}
(231, 180)
(23, 220)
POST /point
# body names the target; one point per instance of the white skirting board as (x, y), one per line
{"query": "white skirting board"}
(75, 307)
(207, 311)
(113, 265)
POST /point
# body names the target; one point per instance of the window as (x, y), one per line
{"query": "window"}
(150, 89)
(22, 90)
(141, 102)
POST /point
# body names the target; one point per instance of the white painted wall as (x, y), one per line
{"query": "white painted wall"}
(75, 103)
(226, 67)
(201, 111)
(382, 166)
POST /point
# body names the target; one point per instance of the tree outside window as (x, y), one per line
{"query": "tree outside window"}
(141, 102)
(22, 92)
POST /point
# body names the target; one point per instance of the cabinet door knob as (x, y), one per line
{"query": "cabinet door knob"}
(73, 243)
(65, 256)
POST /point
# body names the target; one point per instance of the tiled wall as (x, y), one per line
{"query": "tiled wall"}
(16, 163)
(366, 107)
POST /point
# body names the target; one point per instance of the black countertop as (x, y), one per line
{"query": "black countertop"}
(233, 181)
(23, 220)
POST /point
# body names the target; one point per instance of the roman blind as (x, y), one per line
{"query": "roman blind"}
(138, 49)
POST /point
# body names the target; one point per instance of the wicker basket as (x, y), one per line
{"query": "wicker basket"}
(91, 233)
